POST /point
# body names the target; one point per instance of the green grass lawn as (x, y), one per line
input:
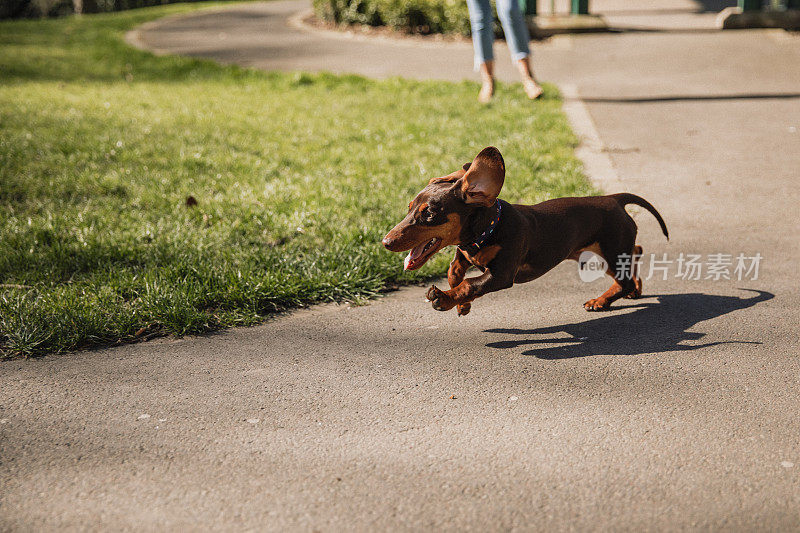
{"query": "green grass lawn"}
(296, 177)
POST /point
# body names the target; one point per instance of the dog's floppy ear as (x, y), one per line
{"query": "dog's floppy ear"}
(482, 182)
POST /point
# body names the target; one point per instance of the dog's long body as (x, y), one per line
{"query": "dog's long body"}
(514, 243)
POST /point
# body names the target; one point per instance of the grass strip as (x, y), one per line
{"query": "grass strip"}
(295, 177)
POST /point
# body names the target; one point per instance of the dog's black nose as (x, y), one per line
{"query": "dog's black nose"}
(387, 242)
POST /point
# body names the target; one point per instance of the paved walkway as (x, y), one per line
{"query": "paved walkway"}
(676, 411)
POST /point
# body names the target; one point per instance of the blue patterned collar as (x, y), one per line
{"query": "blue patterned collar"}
(474, 247)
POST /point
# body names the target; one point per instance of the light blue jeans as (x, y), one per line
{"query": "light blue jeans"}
(482, 23)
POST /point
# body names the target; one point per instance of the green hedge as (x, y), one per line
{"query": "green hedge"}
(414, 16)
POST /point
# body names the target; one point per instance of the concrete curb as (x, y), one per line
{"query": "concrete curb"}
(732, 18)
(134, 38)
(543, 26)
(597, 165)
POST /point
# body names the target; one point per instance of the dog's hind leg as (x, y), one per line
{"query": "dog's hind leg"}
(623, 273)
(635, 273)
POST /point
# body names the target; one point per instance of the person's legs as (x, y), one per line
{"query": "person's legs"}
(517, 37)
(487, 82)
(482, 25)
(514, 27)
(529, 83)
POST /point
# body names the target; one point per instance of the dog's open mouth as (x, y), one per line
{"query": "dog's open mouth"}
(420, 254)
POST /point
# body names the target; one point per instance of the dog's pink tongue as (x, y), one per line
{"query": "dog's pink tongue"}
(413, 255)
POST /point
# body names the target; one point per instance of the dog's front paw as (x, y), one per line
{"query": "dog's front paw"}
(439, 300)
(597, 304)
(463, 309)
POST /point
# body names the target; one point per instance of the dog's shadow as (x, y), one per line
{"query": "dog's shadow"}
(654, 327)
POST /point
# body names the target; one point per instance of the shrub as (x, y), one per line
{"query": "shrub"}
(33, 8)
(412, 16)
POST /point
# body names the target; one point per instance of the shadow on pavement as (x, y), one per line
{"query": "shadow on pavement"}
(652, 328)
(715, 5)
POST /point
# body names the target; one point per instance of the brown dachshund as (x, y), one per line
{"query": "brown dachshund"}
(514, 243)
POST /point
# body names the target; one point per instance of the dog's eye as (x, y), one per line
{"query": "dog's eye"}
(429, 214)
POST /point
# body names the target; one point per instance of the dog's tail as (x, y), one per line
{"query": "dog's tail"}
(625, 198)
